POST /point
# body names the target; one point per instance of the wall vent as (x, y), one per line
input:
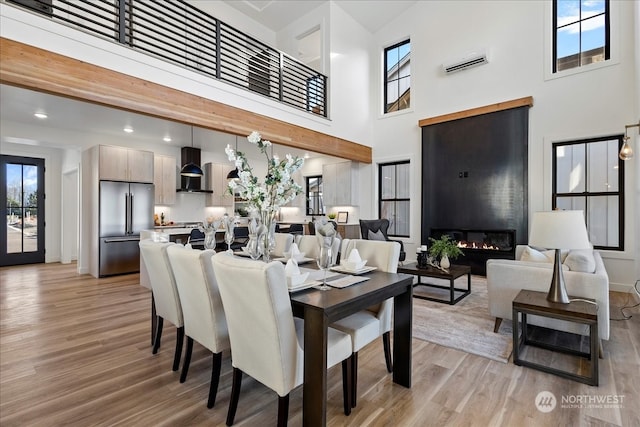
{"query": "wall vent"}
(468, 61)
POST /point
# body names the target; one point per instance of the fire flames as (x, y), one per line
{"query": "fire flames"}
(476, 245)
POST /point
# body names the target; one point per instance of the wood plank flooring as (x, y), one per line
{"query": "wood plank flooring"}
(75, 350)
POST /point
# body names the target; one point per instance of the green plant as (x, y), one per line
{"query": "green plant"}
(445, 245)
(332, 215)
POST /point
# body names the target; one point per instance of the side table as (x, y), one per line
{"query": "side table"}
(532, 302)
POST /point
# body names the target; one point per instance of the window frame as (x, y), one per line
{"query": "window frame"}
(386, 81)
(620, 193)
(395, 199)
(554, 31)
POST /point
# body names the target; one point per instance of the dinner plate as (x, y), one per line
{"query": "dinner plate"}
(342, 269)
(306, 285)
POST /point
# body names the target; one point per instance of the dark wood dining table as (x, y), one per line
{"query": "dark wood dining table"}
(321, 308)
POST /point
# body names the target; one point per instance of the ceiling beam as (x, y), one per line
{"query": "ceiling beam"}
(44, 71)
(492, 108)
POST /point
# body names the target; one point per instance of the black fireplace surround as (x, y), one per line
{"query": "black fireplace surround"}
(480, 245)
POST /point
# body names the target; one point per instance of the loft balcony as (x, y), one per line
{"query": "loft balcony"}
(181, 34)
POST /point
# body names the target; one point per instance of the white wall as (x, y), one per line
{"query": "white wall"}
(593, 103)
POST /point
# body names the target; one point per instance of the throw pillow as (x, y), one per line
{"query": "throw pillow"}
(376, 236)
(533, 255)
(581, 260)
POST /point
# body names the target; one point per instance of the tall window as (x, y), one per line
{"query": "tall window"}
(589, 176)
(581, 33)
(397, 77)
(393, 187)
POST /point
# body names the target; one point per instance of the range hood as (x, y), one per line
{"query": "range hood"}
(191, 184)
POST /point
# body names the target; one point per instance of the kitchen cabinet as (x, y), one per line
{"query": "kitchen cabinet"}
(125, 164)
(340, 184)
(164, 178)
(216, 181)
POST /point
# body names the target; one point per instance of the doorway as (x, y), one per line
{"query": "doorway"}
(22, 195)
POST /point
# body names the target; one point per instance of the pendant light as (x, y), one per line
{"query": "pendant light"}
(234, 173)
(191, 169)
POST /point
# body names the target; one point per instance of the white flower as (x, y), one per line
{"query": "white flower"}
(255, 137)
(230, 153)
(266, 143)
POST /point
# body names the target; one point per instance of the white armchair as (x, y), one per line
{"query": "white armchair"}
(505, 278)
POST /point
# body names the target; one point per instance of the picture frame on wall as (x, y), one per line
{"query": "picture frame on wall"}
(342, 217)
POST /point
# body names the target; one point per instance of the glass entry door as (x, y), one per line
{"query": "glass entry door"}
(22, 195)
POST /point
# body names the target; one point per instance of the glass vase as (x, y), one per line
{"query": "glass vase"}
(209, 238)
(268, 237)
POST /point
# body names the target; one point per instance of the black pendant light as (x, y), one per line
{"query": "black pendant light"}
(234, 173)
(191, 169)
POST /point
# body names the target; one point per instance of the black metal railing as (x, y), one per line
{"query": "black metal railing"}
(179, 33)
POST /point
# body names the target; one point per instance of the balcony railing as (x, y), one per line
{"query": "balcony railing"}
(183, 35)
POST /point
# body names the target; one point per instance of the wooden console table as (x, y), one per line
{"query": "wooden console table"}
(532, 302)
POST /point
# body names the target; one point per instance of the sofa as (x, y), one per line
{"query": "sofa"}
(584, 274)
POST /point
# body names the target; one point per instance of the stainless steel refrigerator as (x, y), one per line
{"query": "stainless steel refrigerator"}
(126, 208)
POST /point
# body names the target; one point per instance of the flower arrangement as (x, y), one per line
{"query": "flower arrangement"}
(278, 187)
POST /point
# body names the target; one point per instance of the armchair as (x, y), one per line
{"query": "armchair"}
(376, 229)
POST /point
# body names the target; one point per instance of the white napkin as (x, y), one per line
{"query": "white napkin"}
(291, 269)
(354, 256)
(294, 251)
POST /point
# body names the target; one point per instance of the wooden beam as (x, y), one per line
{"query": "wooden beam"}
(41, 70)
(500, 106)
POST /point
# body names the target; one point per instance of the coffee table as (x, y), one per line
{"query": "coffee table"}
(455, 271)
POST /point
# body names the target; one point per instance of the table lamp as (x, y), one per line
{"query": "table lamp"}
(559, 230)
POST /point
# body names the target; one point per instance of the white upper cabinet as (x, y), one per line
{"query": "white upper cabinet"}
(216, 176)
(340, 184)
(164, 178)
(125, 164)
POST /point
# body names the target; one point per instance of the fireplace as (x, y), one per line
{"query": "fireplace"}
(480, 245)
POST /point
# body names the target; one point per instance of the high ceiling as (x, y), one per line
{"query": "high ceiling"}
(69, 120)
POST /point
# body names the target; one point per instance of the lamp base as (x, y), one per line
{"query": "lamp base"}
(557, 290)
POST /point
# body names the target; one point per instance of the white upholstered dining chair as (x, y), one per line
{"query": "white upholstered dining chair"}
(283, 243)
(204, 319)
(267, 342)
(367, 325)
(310, 245)
(165, 293)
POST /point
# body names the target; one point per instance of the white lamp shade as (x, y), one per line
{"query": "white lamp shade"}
(559, 230)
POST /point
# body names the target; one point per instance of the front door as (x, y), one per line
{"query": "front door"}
(22, 195)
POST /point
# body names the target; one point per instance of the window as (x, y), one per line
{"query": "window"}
(393, 187)
(589, 176)
(315, 206)
(397, 77)
(581, 33)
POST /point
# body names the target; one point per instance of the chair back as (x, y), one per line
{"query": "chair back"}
(163, 284)
(312, 228)
(196, 239)
(204, 318)
(384, 255)
(283, 243)
(263, 336)
(310, 245)
(296, 229)
(375, 226)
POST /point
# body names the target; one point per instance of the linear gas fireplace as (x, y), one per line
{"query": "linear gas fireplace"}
(480, 245)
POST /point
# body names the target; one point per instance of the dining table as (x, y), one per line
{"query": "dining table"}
(321, 308)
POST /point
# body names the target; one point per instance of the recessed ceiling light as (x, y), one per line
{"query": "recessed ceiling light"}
(128, 129)
(40, 115)
(167, 139)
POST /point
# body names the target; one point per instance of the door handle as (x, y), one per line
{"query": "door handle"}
(131, 213)
(126, 213)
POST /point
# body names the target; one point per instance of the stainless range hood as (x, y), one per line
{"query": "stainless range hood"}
(191, 184)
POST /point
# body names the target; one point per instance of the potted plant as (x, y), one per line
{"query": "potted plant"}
(332, 216)
(444, 248)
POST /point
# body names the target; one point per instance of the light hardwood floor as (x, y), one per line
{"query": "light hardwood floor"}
(75, 350)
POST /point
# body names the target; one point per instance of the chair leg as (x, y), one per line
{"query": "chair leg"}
(386, 343)
(235, 395)
(156, 344)
(497, 324)
(347, 386)
(283, 410)
(187, 360)
(215, 379)
(178, 353)
(354, 378)
(154, 320)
